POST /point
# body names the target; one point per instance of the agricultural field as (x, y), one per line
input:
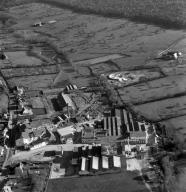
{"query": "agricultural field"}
(104, 183)
(20, 58)
(162, 12)
(83, 36)
(33, 82)
(160, 88)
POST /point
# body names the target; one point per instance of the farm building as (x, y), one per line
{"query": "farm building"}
(95, 163)
(84, 164)
(130, 121)
(64, 131)
(105, 162)
(65, 102)
(138, 135)
(66, 134)
(117, 161)
(38, 145)
(112, 126)
(69, 88)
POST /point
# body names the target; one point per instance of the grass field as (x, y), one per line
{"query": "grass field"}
(105, 183)
(167, 13)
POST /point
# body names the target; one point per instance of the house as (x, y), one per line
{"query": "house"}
(56, 171)
(41, 144)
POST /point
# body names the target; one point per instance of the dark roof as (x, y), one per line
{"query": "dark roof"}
(49, 153)
(65, 160)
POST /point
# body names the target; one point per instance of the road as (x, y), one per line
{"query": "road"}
(37, 154)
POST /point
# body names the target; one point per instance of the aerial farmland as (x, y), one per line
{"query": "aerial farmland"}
(79, 74)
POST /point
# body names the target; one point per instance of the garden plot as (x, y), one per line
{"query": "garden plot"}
(30, 71)
(154, 90)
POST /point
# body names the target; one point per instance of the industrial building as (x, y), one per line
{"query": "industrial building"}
(65, 102)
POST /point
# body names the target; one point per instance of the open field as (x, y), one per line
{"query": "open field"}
(21, 58)
(33, 82)
(154, 90)
(105, 183)
(89, 36)
(162, 12)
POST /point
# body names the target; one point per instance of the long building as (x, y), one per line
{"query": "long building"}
(130, 121)
(112, 126)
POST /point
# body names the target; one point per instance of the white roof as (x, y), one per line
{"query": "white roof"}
(133, 164)
(117, 161)
(95, 163)
(56, 171)
(52, 21)
(38, 145)
(105, 162)
(83, 164)
(66, 130)
(27, 111)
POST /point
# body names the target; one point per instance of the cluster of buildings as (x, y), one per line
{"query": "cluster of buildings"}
(72, 144)
(83, 159)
